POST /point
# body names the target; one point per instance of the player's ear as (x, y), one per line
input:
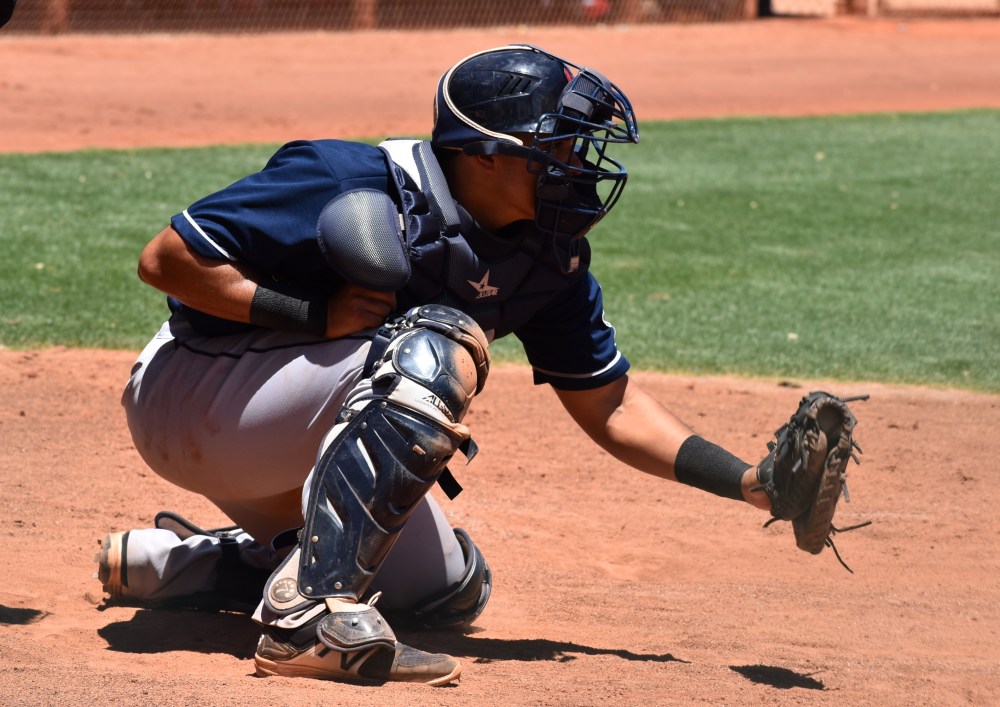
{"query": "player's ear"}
(487, 162)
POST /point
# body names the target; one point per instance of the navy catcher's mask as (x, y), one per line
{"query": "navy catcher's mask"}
(520, 100)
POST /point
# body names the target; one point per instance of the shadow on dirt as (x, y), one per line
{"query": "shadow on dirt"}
(782, 678)
(165, 630)
(487, 650)
(162, 631)
(11, 615)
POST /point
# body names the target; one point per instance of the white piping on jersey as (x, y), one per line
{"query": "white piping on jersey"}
(204, 235)
(594, 374)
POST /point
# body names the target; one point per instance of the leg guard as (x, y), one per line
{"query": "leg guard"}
(461, 603)
(391, 442)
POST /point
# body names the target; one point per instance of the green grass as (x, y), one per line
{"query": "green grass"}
(863, 247)
(71, 230)
(853, 247)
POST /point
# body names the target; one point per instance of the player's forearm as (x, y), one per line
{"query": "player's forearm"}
(223, 289)
(644, 434)
(639, 431)
(215, 287)
(629, 425)
(652, 443)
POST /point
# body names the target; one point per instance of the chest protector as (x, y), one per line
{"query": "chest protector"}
(500, 280)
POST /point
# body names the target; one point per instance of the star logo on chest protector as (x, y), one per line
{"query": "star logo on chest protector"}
(483, 287)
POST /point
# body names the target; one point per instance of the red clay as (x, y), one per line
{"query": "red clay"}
(84, 91)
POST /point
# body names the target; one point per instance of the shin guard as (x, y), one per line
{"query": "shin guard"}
(391, 442)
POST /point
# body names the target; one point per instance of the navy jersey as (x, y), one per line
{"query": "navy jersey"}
(267, 221)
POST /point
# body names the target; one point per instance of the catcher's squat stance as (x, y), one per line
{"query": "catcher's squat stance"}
(330, 323)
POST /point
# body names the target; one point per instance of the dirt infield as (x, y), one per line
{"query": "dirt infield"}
(78, 91)
(611, 587)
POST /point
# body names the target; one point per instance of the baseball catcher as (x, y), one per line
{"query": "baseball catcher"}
(330, 323)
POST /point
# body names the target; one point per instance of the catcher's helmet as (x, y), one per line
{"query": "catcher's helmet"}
(520, 100)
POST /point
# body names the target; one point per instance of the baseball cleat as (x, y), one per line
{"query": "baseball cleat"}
(278, 653)
(111, 564)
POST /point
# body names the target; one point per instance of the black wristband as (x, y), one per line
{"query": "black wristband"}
(710, 468)
(276, 310)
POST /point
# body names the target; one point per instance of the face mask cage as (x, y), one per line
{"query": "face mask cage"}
(579, 182)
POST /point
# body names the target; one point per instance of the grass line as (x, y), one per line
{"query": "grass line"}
(862, 247)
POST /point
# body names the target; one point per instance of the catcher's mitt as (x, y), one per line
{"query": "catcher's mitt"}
(804, 473)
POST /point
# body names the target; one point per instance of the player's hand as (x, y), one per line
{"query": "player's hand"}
(353, 308)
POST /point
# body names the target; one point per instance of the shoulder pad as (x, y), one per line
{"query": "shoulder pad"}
(361, 237)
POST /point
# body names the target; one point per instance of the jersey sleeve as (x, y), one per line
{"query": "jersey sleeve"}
(268, 219)
(569, 343)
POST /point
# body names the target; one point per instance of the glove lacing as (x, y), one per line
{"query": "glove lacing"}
(847, 499)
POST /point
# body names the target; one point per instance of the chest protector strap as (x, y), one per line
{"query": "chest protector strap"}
(416, 158)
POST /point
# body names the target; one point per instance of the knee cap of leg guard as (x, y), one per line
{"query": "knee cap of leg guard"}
(461, 603)
(436, 365)
(457, 326)
(434, 349)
